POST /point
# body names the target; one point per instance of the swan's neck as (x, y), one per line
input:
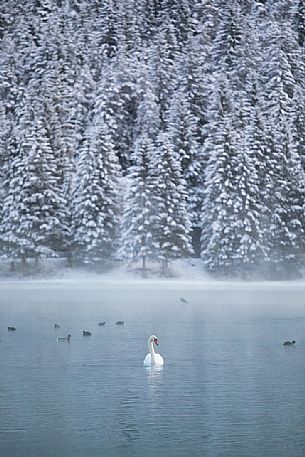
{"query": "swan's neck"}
(152, 351)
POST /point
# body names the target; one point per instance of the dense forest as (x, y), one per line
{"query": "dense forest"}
(154, 129)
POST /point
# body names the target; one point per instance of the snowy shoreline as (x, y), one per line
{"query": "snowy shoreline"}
(161, 283)
(187, 274)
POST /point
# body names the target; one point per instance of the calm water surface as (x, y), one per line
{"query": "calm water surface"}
(228, 388)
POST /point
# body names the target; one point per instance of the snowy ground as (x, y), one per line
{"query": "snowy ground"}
(184, 274)
(57, 271)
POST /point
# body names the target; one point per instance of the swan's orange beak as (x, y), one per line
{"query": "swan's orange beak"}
(156, 341)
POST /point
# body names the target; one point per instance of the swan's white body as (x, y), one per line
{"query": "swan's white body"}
(152, 359)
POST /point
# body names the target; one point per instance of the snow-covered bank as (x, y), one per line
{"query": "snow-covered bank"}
(153, 284)
(57, 270)
(184, 275)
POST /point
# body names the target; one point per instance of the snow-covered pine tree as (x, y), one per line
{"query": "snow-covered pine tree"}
(228, 38)
(33, 206)
(186, 120)
(205, 17)
(10, 209)
(251, 252)
(51, 67)
(183, 133)
(284, 233)
(95, 198)
(8, 90)
(84, 96)
(231, 208)
(148, 16)
(248, 205)
(137, 238)
(172, 226)
(100, 25)
(136, 233)
(163, 59)
(217, 239)
(4, 137)
(299, 21)
(116, 103)
(179, 13)
(148, 110)
(298, 110)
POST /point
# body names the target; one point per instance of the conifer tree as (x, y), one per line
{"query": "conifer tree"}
(95, 198)
(285, 234)
(163, 59)
(137, 237)
(182, 129)
(33, 204)
(299, 21)
(171, 228)
(217, 211)
(116, 105)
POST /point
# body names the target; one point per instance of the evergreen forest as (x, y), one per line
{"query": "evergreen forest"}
(152, 130)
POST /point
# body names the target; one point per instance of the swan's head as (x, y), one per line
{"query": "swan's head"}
(153, 339)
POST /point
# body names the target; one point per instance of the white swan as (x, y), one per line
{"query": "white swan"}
(152, 359)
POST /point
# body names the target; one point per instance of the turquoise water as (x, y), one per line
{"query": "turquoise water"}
(228, 387)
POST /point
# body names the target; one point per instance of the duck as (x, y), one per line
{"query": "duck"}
(119, 323)
(56, 326)
(183, 300)
(85, 333)
(289, 343)
(101, 324)
(11, 329)
(152, 359)
(64, 338)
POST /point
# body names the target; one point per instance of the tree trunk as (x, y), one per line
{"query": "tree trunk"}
(23, 264)
(144, 266)
(163, 267)
(70, 259)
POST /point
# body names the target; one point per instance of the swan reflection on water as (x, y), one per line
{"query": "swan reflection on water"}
(154, 372)
(154, 385)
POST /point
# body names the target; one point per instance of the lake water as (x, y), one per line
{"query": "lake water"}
(228, 387)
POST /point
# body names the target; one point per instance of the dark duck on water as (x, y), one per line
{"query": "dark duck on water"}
(289, 343)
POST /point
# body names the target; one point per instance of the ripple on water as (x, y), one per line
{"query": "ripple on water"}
(228, 387)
